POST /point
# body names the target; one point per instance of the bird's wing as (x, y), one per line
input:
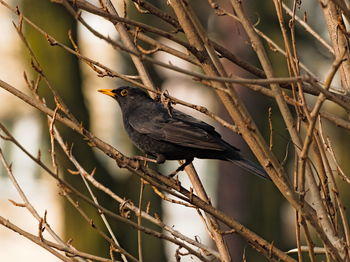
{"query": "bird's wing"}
(188, 132)
(193, 121)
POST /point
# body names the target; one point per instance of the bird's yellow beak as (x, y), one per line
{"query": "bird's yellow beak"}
(107, 92)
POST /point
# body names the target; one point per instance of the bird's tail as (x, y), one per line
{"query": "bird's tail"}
(251, 167)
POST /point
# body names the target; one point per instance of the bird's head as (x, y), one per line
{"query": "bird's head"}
(126, 95)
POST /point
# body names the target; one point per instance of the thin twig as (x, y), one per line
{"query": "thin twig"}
(81, 171)
(139, 222)
(308, 28)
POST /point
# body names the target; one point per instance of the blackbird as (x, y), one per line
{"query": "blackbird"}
(173, 135)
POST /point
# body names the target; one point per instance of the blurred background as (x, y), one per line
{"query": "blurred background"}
(253, 202)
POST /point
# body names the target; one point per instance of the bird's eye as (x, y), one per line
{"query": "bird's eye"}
(124, 92)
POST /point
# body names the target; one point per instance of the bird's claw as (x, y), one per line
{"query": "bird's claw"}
(172, 174)
(137, 165)
(142, 158)
(134, 163)
(181, 168)
(122, 163)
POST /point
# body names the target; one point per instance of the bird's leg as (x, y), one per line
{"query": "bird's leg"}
(182, 167)
(159, 160)
(143, 158)
(137, 159)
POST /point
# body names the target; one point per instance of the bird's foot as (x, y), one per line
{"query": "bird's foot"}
(172, 174)
(137, 165)
(181, 168)
(143, 158)
(159, 160)
(136, 159)
(131, 162)
(123, 162)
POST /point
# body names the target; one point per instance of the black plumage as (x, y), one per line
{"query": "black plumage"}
(171, 134)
